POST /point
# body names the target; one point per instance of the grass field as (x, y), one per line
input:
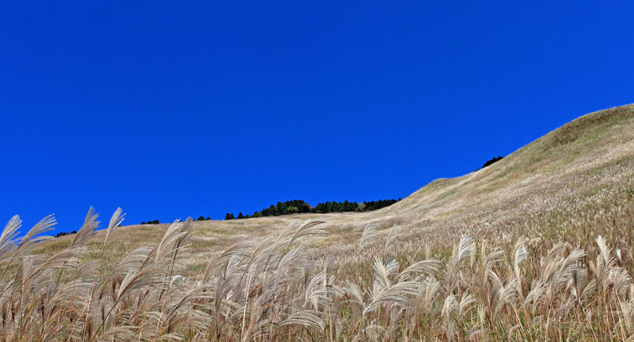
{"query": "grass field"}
(538, 246)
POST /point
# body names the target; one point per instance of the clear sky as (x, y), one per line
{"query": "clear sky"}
(176, 109)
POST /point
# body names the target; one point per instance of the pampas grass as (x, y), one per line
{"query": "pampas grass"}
(279, 288)
(535, 247)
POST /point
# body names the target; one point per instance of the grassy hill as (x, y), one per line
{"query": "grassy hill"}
(583, 167)
(511, 251)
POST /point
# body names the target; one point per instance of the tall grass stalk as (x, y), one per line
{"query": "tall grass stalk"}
(281, 288)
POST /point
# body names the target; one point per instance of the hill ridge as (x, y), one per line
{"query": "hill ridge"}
(586, 156)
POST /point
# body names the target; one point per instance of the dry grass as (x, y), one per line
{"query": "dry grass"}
(537, 246)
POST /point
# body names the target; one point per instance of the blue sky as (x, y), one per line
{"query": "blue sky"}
(174, 109)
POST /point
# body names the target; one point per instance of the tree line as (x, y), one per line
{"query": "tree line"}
(151, 222)
(64, 233)
(299, 207)
(491, 162)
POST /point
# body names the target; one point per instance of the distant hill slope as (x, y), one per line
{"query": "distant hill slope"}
(563, 180)
(575, 167)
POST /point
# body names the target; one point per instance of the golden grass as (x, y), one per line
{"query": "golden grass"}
(536, 246)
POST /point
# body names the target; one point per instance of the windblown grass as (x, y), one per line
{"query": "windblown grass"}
(538, 246)
(280, 288)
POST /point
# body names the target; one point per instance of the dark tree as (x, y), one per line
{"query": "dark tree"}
(280, 209)
(64, 233)
(492, 161)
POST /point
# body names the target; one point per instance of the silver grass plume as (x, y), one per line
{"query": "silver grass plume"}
(450, 310)
(399, 295)
(133, 261)
(520, 254)
(466, 303)
(65, 258)
(450, 307)
(505, 294)
(382, 272)
(427, 293)
(8, 234)
(115, 221)
(369, 235)
(553, 253)
(87, 230)
(392, 235)
(41, 227)
(295, 231)
(490, 260)
(424, 268)
(465, 247)
(573, 258)
(355, 292)
(306, 229)
(307, 318)
(604, 252)
(621, 281)
(243, 249)
(173, 239)
(462, 251)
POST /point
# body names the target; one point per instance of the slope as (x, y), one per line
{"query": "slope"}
(575, 178)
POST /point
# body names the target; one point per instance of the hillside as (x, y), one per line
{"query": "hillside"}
(583, 167)
(538, 246)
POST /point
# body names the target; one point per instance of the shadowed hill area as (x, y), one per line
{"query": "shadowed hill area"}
(572, 177)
